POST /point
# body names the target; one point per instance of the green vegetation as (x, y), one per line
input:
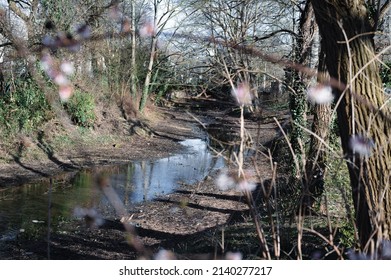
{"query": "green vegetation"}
(114, 58)
(385, 73)
(23, 107)
(81, 108)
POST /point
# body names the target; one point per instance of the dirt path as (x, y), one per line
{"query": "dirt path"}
(174, 221)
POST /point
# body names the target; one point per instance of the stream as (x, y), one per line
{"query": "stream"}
(25, 209)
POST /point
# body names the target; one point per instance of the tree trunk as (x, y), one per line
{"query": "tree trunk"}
(133, 73)
(2, 82)
(147, 81)
(298, 98)
(316, 163)
(353, 63)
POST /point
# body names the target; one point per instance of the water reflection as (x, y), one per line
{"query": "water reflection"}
(26, 208)
(145, 180)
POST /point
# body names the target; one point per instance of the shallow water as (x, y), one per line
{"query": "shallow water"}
(26, 208)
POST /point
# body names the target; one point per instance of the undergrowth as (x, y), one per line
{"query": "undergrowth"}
(81, 108)
(23, 107)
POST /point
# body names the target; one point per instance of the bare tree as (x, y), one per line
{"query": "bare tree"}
(234, 23)
(162, 12)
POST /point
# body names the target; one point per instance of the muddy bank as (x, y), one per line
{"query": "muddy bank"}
(145, 140)
(189, 221)
(120, 141)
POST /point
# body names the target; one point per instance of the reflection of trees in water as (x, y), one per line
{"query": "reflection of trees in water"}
(162, 176)
(135, 182)
(128, 187)
(26, 208)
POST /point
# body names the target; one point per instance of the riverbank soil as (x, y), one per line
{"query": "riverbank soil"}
(60, 147)
(195, 222)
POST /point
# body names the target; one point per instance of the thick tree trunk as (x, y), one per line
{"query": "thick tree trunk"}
(350, 58)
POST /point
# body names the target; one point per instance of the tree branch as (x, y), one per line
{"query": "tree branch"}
(5, 44)
(100, 10)
(17, 11)
(384, 9)
(275, 33)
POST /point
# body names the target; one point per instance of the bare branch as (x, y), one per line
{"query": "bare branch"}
(17, 11)
(6, 44)
(100, 10)
(384, 9)
(275, 33)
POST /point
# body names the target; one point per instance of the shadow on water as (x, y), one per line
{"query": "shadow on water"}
(25, 209)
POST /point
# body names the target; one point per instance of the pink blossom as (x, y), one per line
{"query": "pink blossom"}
(65, 92)
(164, 255)
(46, 62)
(60, 79)
(320, 94)
(245, 185)
(230, 180)
(237, 256)
(59, 75)
(67, 68)
(361, 145)
(126, 26)
(242, 94)
(224, 181)
(147, 29)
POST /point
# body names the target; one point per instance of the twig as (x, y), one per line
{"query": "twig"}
(289, 144)
(329, 242)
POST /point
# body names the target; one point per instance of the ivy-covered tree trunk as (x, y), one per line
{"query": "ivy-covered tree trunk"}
(350, 57)
(317, 156)
(298, 98)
